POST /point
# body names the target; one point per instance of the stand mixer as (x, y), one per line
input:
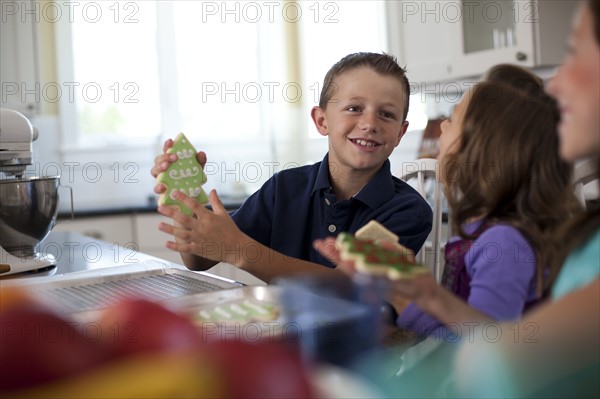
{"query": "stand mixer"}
(28, 205)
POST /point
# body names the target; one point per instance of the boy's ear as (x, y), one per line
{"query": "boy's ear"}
(402, 131)
(318, 116)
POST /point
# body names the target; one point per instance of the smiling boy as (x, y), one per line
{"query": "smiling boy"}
(362, 111)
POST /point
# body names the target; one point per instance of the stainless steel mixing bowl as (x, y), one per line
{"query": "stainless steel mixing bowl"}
(28, 209)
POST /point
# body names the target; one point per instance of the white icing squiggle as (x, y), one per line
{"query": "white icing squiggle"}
(177, 174)
(185, 154)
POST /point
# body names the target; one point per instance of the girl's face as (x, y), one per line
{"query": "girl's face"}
(452, 128)
(576, 86)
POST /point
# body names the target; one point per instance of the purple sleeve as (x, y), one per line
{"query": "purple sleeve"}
(414, 319)
(502, 264)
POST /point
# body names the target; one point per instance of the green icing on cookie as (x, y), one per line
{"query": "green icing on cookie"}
(371, 257)
(244, 312)
(185, 175)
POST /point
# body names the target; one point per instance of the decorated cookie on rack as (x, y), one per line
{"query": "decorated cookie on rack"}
(371, 257)
(242, 311)
(185, 175)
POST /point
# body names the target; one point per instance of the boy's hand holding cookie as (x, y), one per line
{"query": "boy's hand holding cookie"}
(210, 234)
(197, 230)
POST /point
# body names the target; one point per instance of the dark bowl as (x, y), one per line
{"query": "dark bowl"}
(28, 209)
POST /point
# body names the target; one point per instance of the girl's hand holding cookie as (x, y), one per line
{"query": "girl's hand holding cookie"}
(421, 287)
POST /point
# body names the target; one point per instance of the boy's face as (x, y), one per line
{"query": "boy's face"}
(363, 119)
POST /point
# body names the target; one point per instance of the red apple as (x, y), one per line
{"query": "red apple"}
(38, 346)
(138, 325)
(260, 370)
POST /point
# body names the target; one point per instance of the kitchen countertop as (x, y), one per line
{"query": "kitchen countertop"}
(78, 253)
(75, 252)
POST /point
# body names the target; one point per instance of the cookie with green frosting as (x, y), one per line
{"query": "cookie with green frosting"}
(245, 311)
(371, 258)
(185, 175)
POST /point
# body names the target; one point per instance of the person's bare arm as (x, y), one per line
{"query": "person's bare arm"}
(554, 341)
(436, 300)
(161, 164)
(568, 338)
(268, 264)
(214, 236)
(422, 289)
(197, 263)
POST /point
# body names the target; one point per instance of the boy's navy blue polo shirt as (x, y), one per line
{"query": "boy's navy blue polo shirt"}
(297, 206)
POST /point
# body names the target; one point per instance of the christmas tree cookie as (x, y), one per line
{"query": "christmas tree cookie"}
(371, 258)
(185, 175)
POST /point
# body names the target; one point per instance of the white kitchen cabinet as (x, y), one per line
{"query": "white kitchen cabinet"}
(421, 42)
(455, 39)
(150, 239)
(20, 89)
(137, 231)
(113, 229)
(152, 242)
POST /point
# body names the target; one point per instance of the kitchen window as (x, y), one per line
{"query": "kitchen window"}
(115, 71)
(219, 71)
(237, 77)
(146, 69)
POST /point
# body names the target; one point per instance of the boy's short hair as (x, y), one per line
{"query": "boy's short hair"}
(384, 64)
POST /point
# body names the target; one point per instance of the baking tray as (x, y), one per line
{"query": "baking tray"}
(96, 290)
